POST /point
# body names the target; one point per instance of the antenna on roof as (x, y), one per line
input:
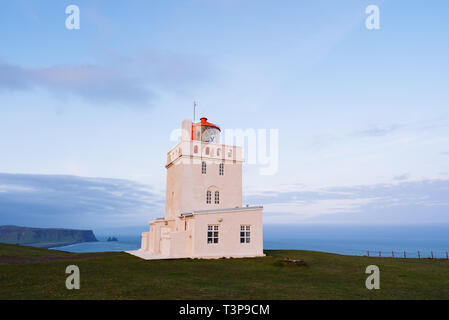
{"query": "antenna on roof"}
(194, 110)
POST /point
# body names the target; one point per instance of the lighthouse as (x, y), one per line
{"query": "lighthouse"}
(204, 216)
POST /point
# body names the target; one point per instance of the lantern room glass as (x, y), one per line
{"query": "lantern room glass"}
(210, 134)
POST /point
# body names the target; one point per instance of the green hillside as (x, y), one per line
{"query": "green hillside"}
(33, 273)
(44, 238)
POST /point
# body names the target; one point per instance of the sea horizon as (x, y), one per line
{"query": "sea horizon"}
(410, 241)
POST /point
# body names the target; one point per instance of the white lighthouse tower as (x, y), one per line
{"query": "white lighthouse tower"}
(204, 216)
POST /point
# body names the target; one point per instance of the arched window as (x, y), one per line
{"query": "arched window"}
(195, 149)
(203, 168)
(208, 197)
(218, 152)
(230, 153)
(217, 197)
(221, 169)
(207, 151)
(212, 191)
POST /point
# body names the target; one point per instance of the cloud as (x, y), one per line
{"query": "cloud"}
(167, 69)
(378, 130)
(122, 80)
(90, 82)
(77, 202)
(70, 201)
(314, 208)
(401, 177)
(402, 202)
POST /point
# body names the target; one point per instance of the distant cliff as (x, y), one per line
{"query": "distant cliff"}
(44, 238)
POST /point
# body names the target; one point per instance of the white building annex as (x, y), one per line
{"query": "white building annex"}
(204, 216)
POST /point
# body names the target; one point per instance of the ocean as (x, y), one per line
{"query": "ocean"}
(386, 241)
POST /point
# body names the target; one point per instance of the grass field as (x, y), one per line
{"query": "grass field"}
(32, 273)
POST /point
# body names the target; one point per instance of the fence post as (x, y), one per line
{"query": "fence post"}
(405, 255)
(368, 253)
(447, 256)
(419, 255)
(392, 254)
(380, 254)
(431, 253)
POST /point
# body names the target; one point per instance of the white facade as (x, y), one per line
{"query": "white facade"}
(204, 217)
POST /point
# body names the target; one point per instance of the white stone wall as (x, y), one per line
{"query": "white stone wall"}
(187, 186)
(229, 234)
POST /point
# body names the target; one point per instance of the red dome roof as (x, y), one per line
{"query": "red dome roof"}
(203, 122)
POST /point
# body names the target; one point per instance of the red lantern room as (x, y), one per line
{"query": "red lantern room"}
(205, 131)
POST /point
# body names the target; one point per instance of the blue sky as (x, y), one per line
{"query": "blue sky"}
(355, 108)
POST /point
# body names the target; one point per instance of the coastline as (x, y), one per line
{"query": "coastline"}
(55, 245)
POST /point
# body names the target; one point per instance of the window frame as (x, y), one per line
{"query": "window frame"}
(245, 234)
(213, 234)
(221, 169)
(203, 167)
(217, 197)
(208, 197)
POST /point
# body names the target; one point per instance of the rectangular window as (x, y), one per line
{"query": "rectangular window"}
(245, 234)
(203, 168)
(221, 169)
(217, 197)
(208, 197)
(212, 234)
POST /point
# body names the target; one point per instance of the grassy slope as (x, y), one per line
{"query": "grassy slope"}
(39, 275)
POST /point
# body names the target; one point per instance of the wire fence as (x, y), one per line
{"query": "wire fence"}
(437, 255)
(403, 254)
(426, 253)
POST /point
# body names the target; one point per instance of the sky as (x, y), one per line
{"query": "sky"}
(362, 115)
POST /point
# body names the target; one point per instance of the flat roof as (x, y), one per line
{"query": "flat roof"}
(221, 210)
